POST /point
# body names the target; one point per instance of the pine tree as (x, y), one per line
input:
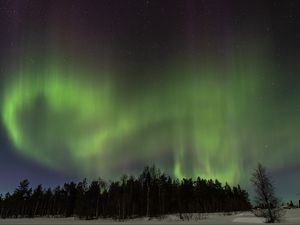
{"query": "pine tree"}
(153, 193)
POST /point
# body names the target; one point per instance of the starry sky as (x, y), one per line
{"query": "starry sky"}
(101, 88)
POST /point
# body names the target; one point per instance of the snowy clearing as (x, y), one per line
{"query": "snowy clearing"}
(292, 216)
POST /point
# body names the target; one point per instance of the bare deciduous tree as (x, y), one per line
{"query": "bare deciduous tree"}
(265, 196)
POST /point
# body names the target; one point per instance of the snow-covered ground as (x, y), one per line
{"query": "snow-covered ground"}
(292, 216)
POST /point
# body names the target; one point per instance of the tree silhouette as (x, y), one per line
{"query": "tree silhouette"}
(152, 193)
(265, 196)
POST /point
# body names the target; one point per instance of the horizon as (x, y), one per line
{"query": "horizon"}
(52, 186)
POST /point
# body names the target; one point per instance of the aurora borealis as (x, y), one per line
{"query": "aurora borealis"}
(198, 88)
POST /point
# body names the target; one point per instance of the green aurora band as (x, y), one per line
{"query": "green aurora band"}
(204, 120)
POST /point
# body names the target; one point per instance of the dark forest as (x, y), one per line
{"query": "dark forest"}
(152, 194)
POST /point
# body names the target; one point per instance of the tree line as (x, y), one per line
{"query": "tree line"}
(152, 193)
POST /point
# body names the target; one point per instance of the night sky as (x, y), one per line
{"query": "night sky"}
(102, 88)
